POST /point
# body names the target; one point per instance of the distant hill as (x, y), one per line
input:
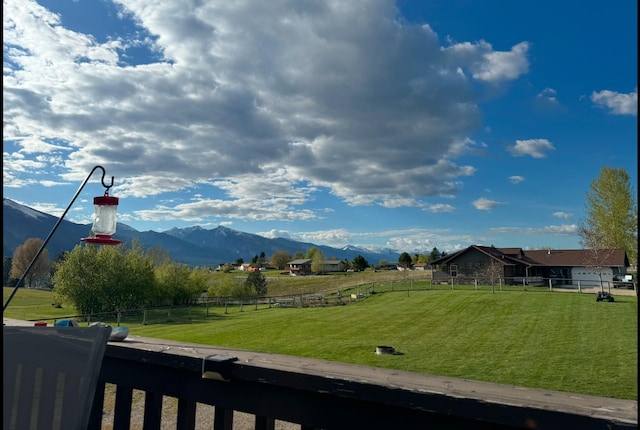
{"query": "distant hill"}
(194, 246)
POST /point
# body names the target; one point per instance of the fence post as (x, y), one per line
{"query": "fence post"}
(579, 286)
(144, 317)
(475, 281)
(118, 319)
(550, 285)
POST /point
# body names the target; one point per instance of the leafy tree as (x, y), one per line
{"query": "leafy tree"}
(79, 280)
(360, 263)
(317, 257)
(405, 260)
(132, 280)
(105, 279)
(298, 255)
(256, 283)
(422, 259)
(22, 257)
(612, 214)
(226, 287)
(227, 268)
(197, 283)
(254, 260)
(159, 255)
(171, 284)
(280, 259)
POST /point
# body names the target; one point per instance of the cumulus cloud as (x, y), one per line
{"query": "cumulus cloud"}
(439, 208)
(564, 215)
(516, 179)
(485, 204)
(536, 148)
(488, 65)
(249, 97)
(546, 101)
(617, 103)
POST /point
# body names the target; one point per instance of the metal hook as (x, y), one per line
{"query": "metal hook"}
(104, 172)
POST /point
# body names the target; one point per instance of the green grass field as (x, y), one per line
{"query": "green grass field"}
(552, 340)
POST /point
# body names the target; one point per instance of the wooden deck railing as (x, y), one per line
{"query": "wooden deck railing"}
(317, 394)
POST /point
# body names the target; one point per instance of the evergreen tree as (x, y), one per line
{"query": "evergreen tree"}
(257, 283)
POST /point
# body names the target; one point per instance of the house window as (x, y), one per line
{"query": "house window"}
(453, 270)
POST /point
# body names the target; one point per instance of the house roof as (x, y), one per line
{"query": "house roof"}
(544, 257)
(300, 261)
(578, 257)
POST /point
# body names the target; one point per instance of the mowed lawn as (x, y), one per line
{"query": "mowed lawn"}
(551, 340)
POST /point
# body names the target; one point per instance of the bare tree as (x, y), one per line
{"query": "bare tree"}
(280, 259)
(22, 257)
(594, 239)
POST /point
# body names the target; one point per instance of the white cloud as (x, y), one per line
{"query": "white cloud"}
(498, 66)
(618, 103)
(567, 230)
(536, 148)
(564, 215)
(485, 204)
(437, 208)
(313, 94)
(516, 179)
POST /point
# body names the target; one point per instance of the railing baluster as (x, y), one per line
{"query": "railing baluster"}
(264, 423)
(186, 415)
(223, 419)
(152, 410)
(95, 419)
(122, 413)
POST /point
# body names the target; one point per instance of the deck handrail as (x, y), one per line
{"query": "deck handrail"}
(329, 395)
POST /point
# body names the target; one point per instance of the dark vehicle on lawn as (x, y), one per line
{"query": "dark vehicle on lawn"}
(604, 296)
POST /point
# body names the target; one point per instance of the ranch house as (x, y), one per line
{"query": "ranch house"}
(560, 267)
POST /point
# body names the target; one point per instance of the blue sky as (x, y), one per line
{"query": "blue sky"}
(402, 125)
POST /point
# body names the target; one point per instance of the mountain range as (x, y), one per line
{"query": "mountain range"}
(194, 246)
